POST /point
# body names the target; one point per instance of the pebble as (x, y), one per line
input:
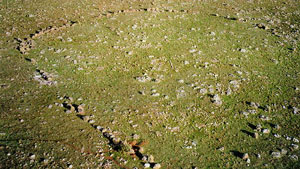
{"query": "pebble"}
(264, 118)
(266, 131)
(258, 155)
(245, 156)
(180, 81)
(277, 135)
(157, 166)
(221, 149)
(255, 135)
(217, 100)
(145, 158)
(155, 94)
(276, 154)
(295, 140)
(203, 91)
(283, 151)
(294, 147)
(86, 118)
(295, 110)
(229, 91)
(294, 157)
(151, 159)
(192, 50)
(32, 157)
(147, 165)
(248, 160)
(135, 136)
(243, 50)
(91, 121)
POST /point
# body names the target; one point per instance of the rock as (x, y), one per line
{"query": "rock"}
(294, 147)
(245, 156)
(144, 78)
(86, 118)
(147, 165)
(277, 135)
(276, 154)
(235, 84)
(155, 94)
(294, 157)
(229, 91)
(157, 166)
(295, 110)
(203, 91)
(255, 135)
(135, 136)
(151, 159)
(266, 131)
(91, 121)
(264, 118)
(277, 127)
(248, 160)
(295, 140)
(192, 50)
(180, 81)
(32, 157)
(243, 50)
(145, 158)
(283, 151)
(221, 149)
(217, 100)
(80, 110)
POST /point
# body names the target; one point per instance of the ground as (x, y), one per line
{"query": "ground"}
(149, 84)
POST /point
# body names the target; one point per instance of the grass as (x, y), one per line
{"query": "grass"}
(97, 63)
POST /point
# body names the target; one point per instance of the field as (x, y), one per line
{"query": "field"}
(149, 84)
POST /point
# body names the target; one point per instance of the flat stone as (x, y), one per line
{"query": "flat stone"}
(276, 154)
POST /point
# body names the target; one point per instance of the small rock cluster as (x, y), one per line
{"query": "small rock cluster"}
(133, 148)
(44, 78)
(26, 44)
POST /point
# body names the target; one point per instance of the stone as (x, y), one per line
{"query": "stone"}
(157, 166)
(229, 91)
(294, 147)
(255, 135)
(221, 149)
(266, 131)
(91, 121)
(203, 91)
(147, 165)
(180, 81)
(248, 160)
(283, 151)
(243, 50)
(155, 94)
(32, 157)
(135, 136)
(276, 154)
(295, 140)
(86, 118)
(80, 110)
(217, 100)
(145, 158)
(245, 156)
(151, 159)
(295, 110)
(294, 157)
